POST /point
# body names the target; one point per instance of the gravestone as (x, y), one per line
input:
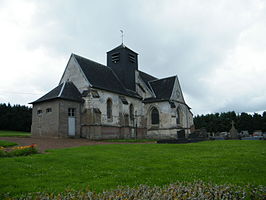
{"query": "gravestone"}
(181, 134)
(233, 133)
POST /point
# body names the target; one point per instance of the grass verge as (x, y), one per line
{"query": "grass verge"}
(105, 167)
(4, 133)
(4, 143)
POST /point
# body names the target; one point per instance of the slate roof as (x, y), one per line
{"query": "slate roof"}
(66, 90)
(146, 78)
(162, 88)
(102, 77)
(122, 46)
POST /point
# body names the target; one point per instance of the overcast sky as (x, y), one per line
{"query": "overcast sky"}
(217, 48)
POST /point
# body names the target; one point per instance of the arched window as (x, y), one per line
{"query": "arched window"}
(178, 116)
(131, 112)
(109, 109)
(154, 116)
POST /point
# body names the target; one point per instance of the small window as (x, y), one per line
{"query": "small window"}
(115, 57)
(71, 112)
(154, 116)
(131, 112)
(48, 110)
(39, 112)
(95, 94)
(178, 116)
(172, 104)
(85, 93)
(109, 109)
(123, 99)
(97, 110)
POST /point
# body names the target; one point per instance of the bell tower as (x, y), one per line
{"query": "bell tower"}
(123, 61)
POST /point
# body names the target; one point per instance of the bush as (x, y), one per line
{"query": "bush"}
(18, 151)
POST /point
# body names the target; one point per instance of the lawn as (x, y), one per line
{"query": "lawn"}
(14, 134)
(4, 143)
(103, 167)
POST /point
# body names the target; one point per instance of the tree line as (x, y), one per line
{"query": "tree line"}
(220, 122)
(16, 117)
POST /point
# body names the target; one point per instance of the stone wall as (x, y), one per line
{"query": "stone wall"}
(55, 122)
(45, 124)
(63, 117)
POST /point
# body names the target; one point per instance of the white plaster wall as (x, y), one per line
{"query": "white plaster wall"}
(117, 106)
(177, 94)
(74, 73)
(165, 112)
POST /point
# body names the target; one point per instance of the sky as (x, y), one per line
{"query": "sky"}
(217, 48)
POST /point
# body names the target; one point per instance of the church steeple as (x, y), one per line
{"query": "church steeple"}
(124, 62)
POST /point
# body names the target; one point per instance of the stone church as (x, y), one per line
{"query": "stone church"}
(118, 100)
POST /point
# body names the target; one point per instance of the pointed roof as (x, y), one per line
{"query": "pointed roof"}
(162, 88)
(102, 77)
(146, 78)
(122, 46)
(66, 90)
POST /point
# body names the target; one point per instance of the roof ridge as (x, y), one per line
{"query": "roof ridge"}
(62, 89)
(163, 78)
(147, 74)
(102, 65)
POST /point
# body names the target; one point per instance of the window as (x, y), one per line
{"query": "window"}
(123, 99)
(154, 116)
(95, 94)
(48, 110)
(172, 104)
(178, 116)
(109, 109)
(131, 112)
(39, 112)
(71, 112)
(85, 93)
(115, 57)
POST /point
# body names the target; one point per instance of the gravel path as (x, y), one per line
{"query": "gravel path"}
(56, 143)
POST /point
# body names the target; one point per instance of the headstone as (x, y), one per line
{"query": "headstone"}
(233, 134)
(181, 134)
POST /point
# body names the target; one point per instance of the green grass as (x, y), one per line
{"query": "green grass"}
(14, 134)
(4, 143)
(103, 167)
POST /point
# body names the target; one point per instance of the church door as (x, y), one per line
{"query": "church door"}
(71, 122)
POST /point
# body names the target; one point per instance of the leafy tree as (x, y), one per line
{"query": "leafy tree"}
(15, 117)
(222, 122)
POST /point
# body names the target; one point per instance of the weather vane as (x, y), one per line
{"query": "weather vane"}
(122, 35)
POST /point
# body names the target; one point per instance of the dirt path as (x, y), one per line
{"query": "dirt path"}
(51, 143)
(56, 143)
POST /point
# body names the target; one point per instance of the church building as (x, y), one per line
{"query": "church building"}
(118, 100)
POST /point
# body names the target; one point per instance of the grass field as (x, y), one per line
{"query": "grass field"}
(4, 143)
(102, 167)
(14, 134)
